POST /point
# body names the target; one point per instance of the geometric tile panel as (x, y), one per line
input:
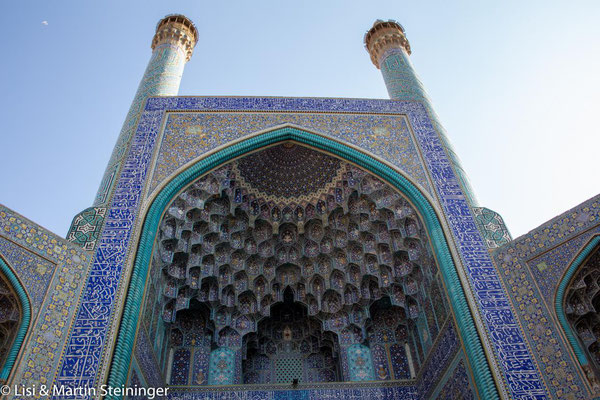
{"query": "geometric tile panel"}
(287, 369)
(86, 226)
(491, 226)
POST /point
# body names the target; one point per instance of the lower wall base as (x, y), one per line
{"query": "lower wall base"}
(384, 393)
(444, 375)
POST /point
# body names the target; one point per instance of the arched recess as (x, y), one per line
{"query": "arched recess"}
(133, 303)
(560, 300)
(23, 324)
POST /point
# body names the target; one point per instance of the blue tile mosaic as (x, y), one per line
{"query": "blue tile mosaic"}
(52, 271)
(379, 393)
(34, 271)
(88, 339)
(532, 266)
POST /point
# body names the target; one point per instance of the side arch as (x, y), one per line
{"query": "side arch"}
(23, 324)
(559, 300)
(466, 325)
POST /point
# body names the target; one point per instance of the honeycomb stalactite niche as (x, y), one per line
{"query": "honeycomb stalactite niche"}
(290, 345)
(287, 278)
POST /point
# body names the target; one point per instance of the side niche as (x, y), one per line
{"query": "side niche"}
(10, 317)
(582, 308)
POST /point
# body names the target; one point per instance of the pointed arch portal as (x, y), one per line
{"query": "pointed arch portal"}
(437, 240)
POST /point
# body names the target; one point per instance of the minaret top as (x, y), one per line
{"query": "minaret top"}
(383, 36)
(176, 29)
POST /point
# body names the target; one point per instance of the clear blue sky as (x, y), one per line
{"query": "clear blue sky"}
(516, 84)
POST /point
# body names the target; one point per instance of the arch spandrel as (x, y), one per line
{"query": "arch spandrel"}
(189, 136)
(368, 287)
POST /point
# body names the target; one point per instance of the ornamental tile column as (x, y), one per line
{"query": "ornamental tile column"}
(172, 47)
(513, 371)
(390, 50)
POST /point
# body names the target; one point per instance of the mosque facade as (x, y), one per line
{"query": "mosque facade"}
(295, 248)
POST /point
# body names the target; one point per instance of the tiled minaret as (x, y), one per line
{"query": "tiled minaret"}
(389, 49)
(172, 47)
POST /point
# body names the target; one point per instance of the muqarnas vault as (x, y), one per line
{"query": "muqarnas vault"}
(297, 248)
